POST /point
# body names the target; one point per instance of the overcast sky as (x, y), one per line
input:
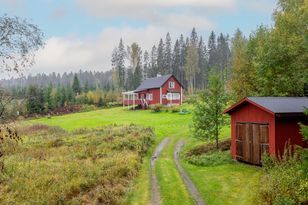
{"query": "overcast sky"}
(80, 34)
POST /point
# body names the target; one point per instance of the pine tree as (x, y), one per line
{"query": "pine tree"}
(202, 64)
(207, 117)
(161, 57)
(63, 96)
(76, 85)
(223, 55)
(212, 51)
(118, 65)
(47, 98)
(135, 54)
(35, 100)
(192, 62)
(182, 60)
(146, 65)
(194, 38)
(154, 68)
(176, 60)
(191, 67)
(86, 86)
(168, 56)
(70, 94)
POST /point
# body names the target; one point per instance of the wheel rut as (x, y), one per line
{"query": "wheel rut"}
(155, 192)
(189, 184)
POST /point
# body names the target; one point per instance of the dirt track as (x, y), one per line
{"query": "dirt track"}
(189, 184)
(154, 183)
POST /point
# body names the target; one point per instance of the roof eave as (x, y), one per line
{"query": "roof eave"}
(230, 109)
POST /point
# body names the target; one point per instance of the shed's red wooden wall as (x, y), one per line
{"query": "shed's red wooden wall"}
(251, 113)
(288, 131)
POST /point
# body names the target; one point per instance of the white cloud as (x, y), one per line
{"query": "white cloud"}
(147, 9)
(67, 54)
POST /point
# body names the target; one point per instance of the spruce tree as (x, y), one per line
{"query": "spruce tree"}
(176, 59)
(212, 50)
(120, 63)
(146, 65)
(76, 85)
(202, 64)
(168, 56)
(153, 64)
(182, 59)
(208, 118)
(160, 57)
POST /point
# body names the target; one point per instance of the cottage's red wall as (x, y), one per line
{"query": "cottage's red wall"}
(165, 88)
(251, 113)
(287, 130)
(156, 95)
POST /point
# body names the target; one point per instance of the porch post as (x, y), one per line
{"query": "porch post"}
(123, 95)
(128, 95)
(133, 100)
(181, 95)
(160, 96)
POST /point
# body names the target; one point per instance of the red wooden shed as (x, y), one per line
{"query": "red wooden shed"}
(265, 124)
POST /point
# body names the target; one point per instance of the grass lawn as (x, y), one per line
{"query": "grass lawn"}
(217, 184)
(164, 124)
(225, 184)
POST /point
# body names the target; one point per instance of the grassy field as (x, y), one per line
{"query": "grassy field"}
(215, 183)
(53, 166)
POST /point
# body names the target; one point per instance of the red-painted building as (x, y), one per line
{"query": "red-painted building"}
(164, 90)
(266, 124)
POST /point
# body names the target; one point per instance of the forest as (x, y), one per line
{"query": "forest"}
(271, 61)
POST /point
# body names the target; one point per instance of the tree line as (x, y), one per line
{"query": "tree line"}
(189, 59)
(60, 98)
(272, 61)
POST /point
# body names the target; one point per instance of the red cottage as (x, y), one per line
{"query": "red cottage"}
(164, 90)
(265, 124)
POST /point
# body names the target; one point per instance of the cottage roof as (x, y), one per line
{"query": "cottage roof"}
(275, 105)
(156, 82)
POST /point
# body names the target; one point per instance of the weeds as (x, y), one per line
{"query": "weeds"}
(83, 167)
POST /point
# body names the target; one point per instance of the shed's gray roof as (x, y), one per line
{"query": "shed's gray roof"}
(156, 82)
(282, 104)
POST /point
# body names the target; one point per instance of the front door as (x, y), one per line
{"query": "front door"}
(251, 142)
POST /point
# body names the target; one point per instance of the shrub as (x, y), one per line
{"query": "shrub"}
(175, 109)
(156, 108)
(205, 148)
(87, 108)
(284, 181)
(87, 166)
(212, 158)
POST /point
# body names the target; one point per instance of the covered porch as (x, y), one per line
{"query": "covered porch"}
(131, 100)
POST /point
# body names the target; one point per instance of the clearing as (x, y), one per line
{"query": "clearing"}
(232, 181)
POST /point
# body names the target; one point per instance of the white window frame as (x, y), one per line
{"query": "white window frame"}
(149, 96)
(171, 84)
(173, 96)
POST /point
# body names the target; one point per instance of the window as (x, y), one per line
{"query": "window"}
(173, 96)
(149, 96)
(171, 84)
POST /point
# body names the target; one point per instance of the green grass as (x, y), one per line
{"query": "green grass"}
(52, 166)
(224, 184)
(164, 124)
(173, 190)
(231, 183)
